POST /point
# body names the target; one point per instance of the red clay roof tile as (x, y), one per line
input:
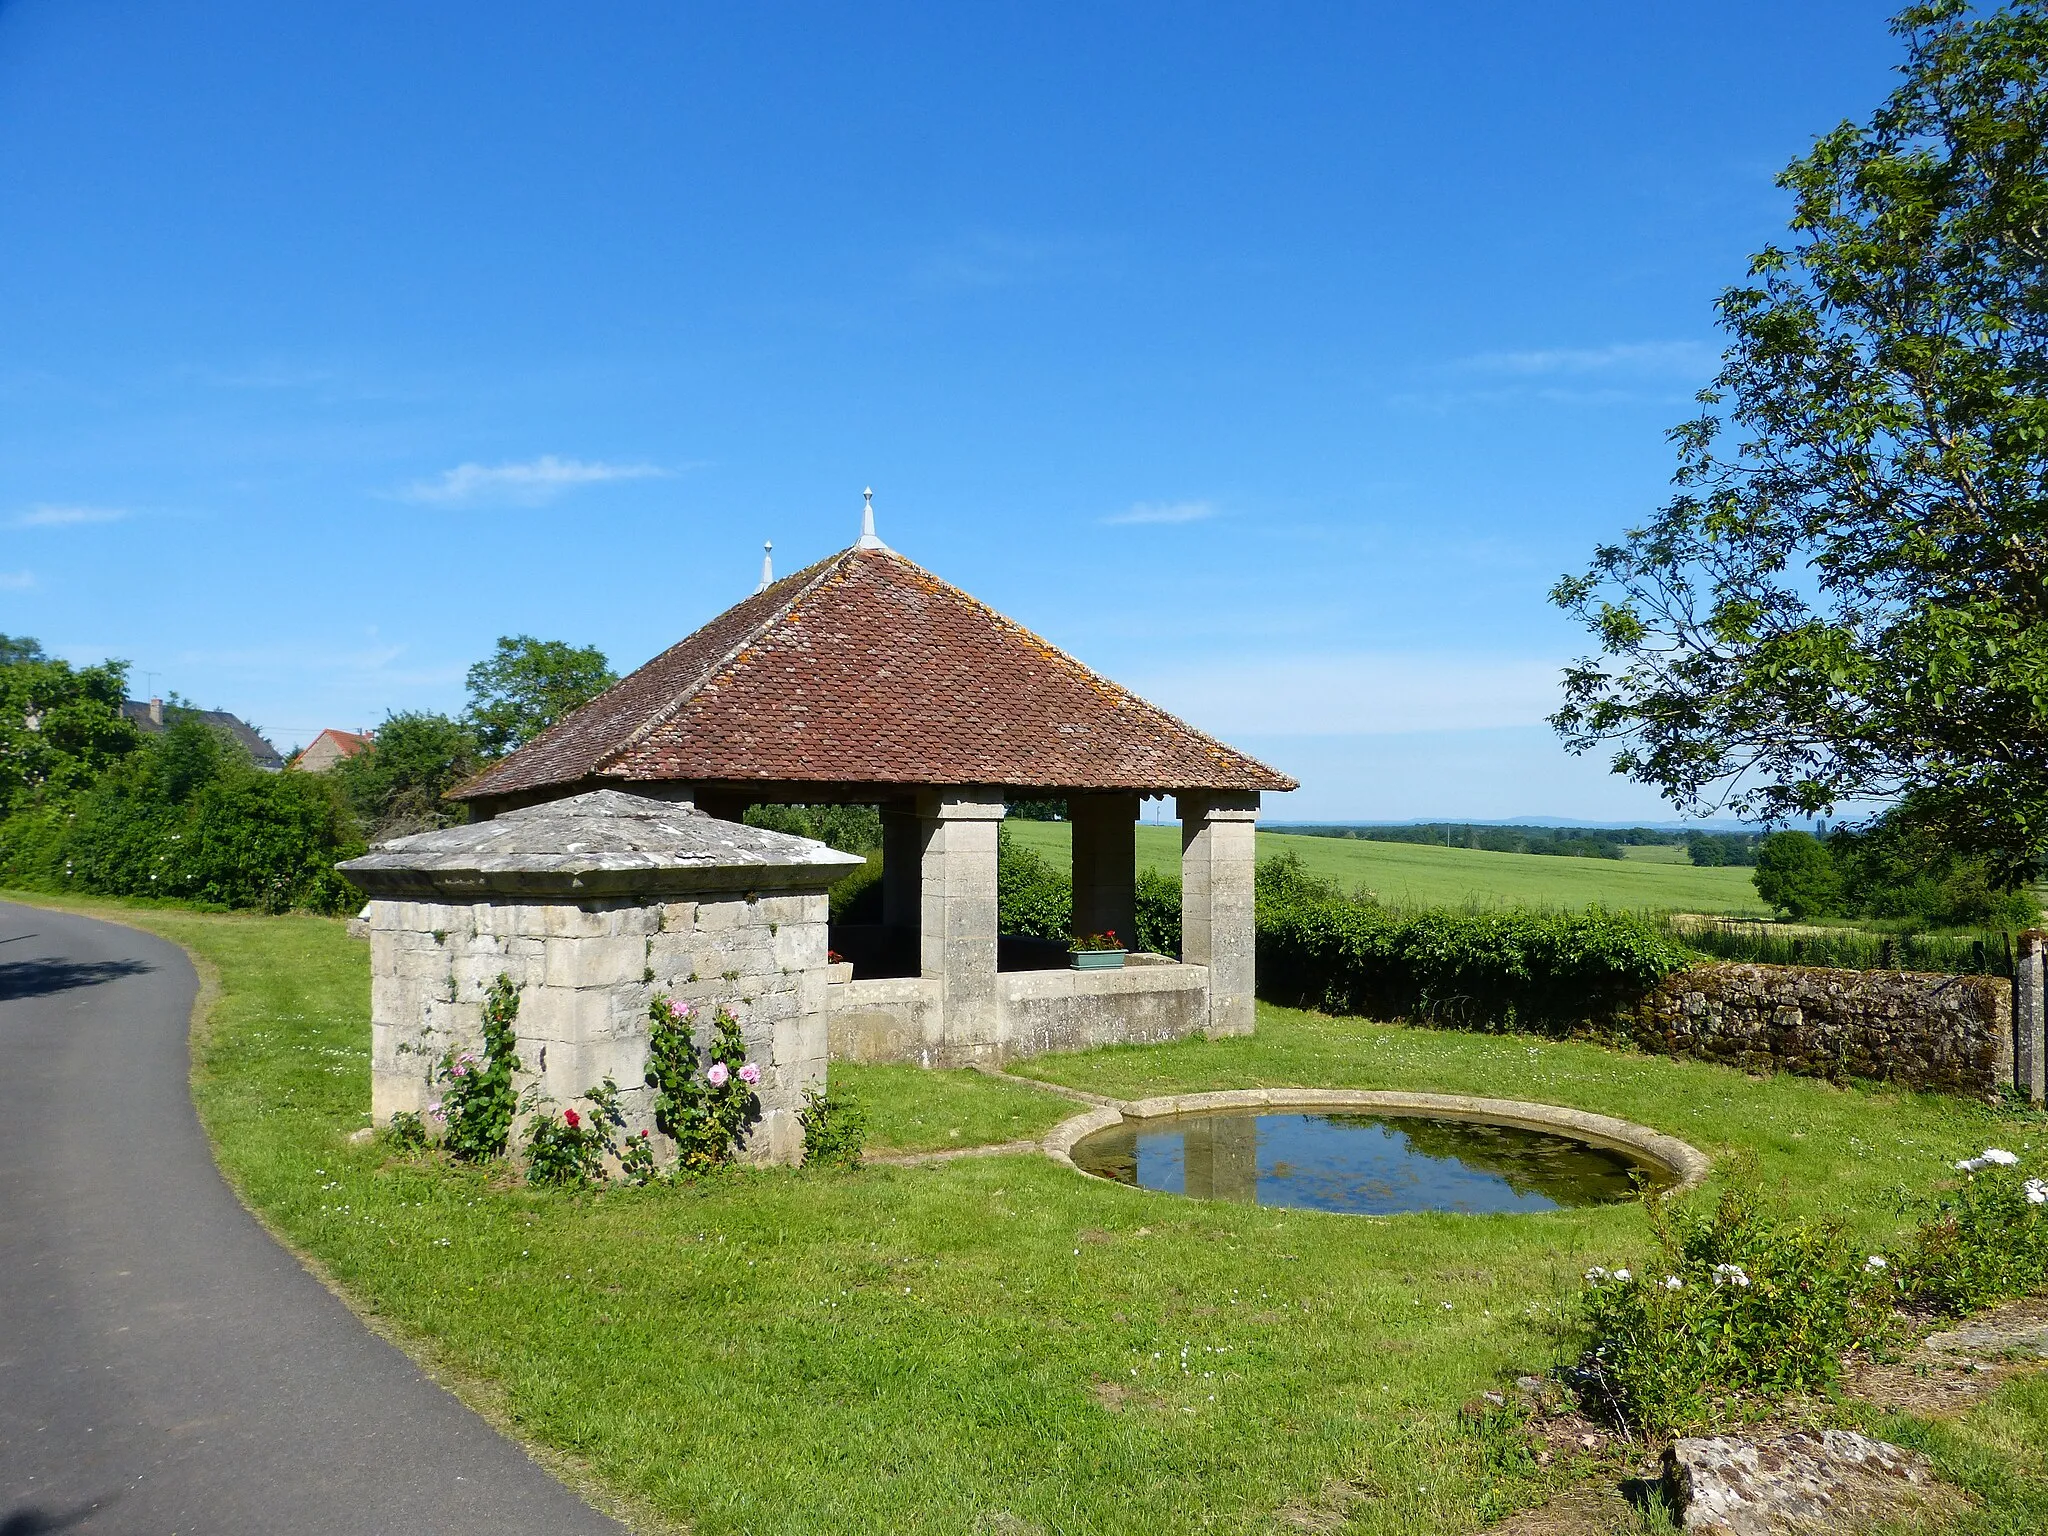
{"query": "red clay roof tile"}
(868, 669)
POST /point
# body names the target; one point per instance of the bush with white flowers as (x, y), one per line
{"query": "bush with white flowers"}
(1753, 1306)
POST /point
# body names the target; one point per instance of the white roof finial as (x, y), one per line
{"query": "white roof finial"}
(867, 522)
(767, 565)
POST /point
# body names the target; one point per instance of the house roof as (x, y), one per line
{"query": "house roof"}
(237, 730)
(867, 669)
(346, 743)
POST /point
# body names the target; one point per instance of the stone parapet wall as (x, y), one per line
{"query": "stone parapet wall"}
(901, 1019)
(587, 973)
(1949, 1033)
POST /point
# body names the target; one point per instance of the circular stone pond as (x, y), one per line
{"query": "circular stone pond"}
(1368, 1162)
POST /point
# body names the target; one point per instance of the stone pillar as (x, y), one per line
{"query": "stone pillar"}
(1218, 831)
(2029, 1047)
(957, 923)
(1105, 865)
(902, 866)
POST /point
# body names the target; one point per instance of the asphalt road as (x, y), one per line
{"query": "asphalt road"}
(164, 1366)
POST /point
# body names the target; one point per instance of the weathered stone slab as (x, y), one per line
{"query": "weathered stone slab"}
(1796, 1482)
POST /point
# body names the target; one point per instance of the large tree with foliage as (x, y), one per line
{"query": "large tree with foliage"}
(398, 783)
(526, 685)
(1847, 597)
(60, 726)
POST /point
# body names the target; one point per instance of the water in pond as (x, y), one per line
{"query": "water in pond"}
(1375, 1165)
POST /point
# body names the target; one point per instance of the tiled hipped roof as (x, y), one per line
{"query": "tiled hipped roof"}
(867, 669)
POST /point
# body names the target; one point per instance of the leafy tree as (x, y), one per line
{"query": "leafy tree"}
(527, 685)
(60, 727)
(1847, 597)
(1714, 850)
(1796, 874)
(1901, 868)
(398, 784)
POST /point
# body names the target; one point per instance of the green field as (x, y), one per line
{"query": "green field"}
(1416, 874)
(998, 1344)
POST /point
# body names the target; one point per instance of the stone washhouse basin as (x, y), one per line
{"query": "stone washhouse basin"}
(1374, 1153)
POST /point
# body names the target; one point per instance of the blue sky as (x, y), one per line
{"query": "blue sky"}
(1273, 360)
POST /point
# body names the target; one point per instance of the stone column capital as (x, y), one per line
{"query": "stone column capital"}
(974, 802)
(1217, 805)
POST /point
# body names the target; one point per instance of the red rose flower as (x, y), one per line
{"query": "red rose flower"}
(570, 1116)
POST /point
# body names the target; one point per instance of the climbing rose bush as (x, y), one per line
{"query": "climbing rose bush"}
(705, 1106)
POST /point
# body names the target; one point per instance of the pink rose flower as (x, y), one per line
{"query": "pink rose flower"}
(750, 1074)
(717, 1075)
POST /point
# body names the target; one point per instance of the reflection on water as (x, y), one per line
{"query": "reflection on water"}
(1376, 1165)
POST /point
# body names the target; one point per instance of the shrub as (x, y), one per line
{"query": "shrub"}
(187, 815)
(1158, 913)
(478, 1104)
(1742, 1307)
(706, 1111)
(849, 828)
(1745, 1307)
(1983, 1242)
(570, 1149)
(835, 1130)
(1034, 898)
(1507, 970)
(407, 1132)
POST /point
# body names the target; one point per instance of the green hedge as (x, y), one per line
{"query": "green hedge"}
(1508, 970)
(187, 816)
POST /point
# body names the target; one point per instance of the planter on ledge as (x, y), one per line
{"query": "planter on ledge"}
(1097, 959)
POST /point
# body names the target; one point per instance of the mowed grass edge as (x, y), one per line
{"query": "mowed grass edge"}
(996, 1344)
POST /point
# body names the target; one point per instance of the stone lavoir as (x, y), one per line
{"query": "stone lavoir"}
(866, 680)
(608, 861)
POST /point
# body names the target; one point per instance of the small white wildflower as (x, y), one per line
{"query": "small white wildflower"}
(1874, 1263)
(2000, 1156)
(1596, 1273)
(1730, 1274)
(2036, 1191)
(1623, 1276)
(1673, 1283)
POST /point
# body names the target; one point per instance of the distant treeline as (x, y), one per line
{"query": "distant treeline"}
(1704, 848)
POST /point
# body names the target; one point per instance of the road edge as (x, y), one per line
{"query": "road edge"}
(480, 1394)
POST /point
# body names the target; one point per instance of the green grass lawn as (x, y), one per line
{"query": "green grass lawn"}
(999, 1345)
(1415, 874)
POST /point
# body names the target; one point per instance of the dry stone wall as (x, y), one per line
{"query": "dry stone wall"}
(1949, 1033)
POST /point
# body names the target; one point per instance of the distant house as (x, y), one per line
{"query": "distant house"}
(329, 748)
(152, 719)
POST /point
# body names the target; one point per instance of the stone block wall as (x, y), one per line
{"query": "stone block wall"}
(1949, 1033)
(587, 973)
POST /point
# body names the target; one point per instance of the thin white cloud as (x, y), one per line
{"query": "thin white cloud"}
(1660, 358)
(47, 516)
(1156, 512)
(16, 581)
(987, 259)
(1358, 693)
(530, 484)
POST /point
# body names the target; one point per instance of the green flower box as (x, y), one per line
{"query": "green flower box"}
(1097, 959)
